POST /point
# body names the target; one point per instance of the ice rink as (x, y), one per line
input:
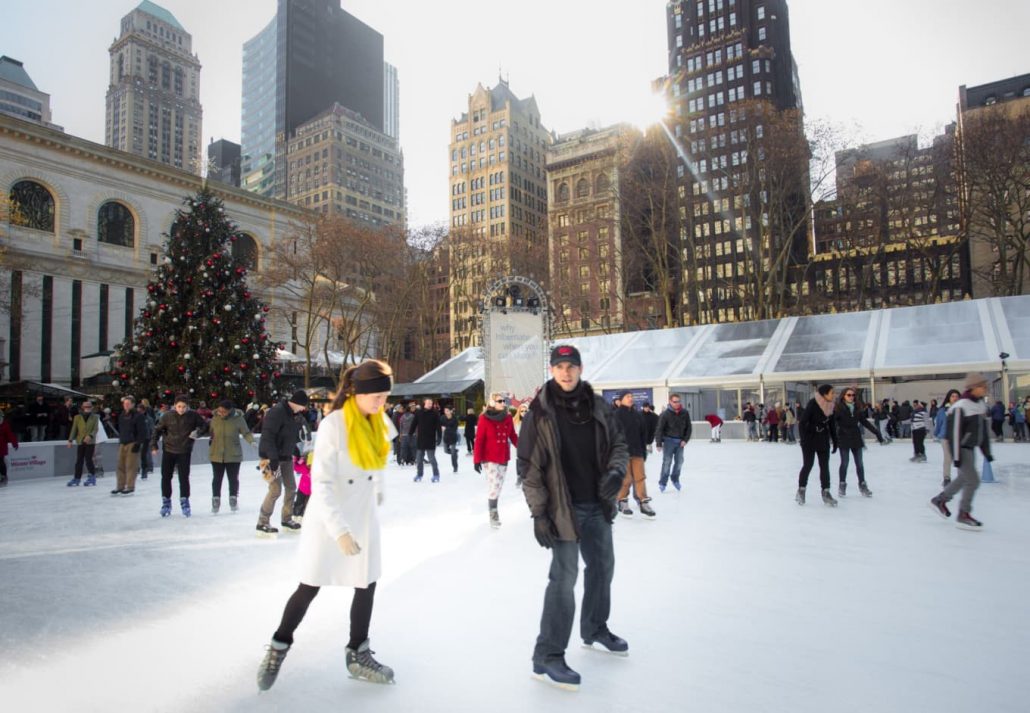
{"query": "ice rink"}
(733, 599)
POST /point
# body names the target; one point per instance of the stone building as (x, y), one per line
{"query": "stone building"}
(88, 228)
(153, 97)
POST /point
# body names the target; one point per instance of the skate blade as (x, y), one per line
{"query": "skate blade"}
(648, 518)
(267, 535)
(365, 679)
(968, 528)
(557, 684)
(602, 650)
(936, 510)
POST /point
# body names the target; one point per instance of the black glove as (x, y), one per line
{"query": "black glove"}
(990, 459)
(957, 463)
(544, 531)
(135, 448)
(833, 450)
(478, 467)
(611, 484)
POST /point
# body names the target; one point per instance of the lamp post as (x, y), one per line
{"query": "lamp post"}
(1004, 378)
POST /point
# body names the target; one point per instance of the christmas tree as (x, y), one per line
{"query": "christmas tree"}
(201, 332)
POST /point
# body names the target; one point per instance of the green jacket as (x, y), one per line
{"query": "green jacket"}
(225, 437)
(82, 427)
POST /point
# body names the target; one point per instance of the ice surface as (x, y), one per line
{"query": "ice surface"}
(734, 599)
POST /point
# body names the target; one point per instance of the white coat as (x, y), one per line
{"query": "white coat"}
(343, 499)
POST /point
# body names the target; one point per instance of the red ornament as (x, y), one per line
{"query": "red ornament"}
(125, 376)
(226, 369)
(246, 295)
(173, 343)
(250, 392)
(167, 392)
(265, 308)
(276, 374)
(189, 313)
(245, 340)
(213, 394)
(181, 368)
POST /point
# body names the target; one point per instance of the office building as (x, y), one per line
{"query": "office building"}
(19, 95)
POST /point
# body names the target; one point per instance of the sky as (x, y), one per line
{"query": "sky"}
(878, 68)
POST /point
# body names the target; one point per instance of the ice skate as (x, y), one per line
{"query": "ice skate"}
(116, 491)
(557, 673)
(166, 507)
(290, 526)
(363, 666)
(864, 489)
(965, 521)
(676, 484)
(233, 504)
(800, 497)
(939, 506)
(216, 504)
(184, 505)
(624, 509)
(267, 532)
(73, 482)
(828, 499)
(842, 490)
(90, 480)
(436, 479)
(646, 510)
(495, 518)
(270, 665)
(608, 643)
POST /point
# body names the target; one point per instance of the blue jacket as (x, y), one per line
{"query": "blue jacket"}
(940, 423)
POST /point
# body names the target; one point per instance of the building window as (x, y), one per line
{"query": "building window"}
(245, 251)
(115, 225)
(601, 185)
(761, 34)
(32, 206)
(582, 188)
(761, 12)
(563, 193)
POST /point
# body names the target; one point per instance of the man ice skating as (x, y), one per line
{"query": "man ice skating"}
(673, 433)
(967, 423)
(132, 439)
(572, 460)
(280, 432)
(634, 431)
(179, 428)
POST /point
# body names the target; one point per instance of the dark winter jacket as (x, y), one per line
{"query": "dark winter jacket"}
(495, 429)
(997, 412)
(650, 426)
(674, 425)
(38, 414)
(132, 428)
(540, 463)
(849, 427)
(426, 429)
(176, 430)
(905, 411)
(470, 428)
(967, 427)
(815, 429)
(225, 437)
(633, 430)
(280, 432)
(450, 430)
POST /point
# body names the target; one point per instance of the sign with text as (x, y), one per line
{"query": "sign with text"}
(516, 354)
(640, 396)
(32, 462)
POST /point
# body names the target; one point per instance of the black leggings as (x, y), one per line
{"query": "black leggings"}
(453, 450)
(809, 454)
(845, 457)
(297, 607)
(220, 469)
(170, 463)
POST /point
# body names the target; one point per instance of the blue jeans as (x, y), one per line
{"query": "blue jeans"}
(671, 451)
(595, 544)
(429, 454)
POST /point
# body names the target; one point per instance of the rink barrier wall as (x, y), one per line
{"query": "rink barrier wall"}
(47, 459)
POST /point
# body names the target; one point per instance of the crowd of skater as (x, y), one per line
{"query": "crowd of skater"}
(578, 460)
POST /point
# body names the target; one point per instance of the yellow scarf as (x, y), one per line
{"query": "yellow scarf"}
(366, 437)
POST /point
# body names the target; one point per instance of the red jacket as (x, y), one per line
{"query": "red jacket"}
(492, 440)
(7, 437)
(713, 420)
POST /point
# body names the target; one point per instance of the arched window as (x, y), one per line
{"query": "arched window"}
(563, 193)
(32, 206)
(601, 185)
(115, 225)
(244, 249)
(582, 188)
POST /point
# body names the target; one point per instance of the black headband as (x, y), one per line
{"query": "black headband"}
(373, 386)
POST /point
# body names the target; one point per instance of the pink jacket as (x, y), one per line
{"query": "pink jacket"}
(301, 468)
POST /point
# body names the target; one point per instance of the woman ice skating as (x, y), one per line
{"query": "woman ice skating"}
(850, 418)
(940, 431)
(967, 430)
(227, 427)
(816, 431)
(302, 467)
(492, 452)
(85, 426)
(340, 543)
(471, 420)
(7, 438)
(449, 424)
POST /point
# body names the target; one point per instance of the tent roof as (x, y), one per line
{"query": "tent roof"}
(946, 338)
(19, 389)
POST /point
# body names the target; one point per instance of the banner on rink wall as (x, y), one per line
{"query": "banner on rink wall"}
(640, 396)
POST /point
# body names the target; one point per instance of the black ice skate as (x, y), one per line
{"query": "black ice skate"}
(267, 531)
(864, 489)
(965, 521)
(646, 510)
(800, 497)
(361, 665)
(939, 506)
(557, 673)
(624, 508)
(842, 490)
(216, 504)
(269, 668)
(290, 526)
(233, 504)
(608, 643)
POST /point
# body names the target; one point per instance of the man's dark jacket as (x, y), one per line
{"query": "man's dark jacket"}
(132, 428)
(539, 461)
(650, 426)
(280, 432)
(633, 430)
(674, 425)
(176, 431)
(426, 425)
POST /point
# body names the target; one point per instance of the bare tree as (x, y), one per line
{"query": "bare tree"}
(993, 161)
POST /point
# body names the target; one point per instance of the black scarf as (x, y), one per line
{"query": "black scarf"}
(578, 402)
(496, 414)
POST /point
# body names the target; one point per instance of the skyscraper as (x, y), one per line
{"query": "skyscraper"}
(322, 56)
(223, 162)
(391, 102)
(153, 99)
(19, 95)
(498, 201)
(743, 192)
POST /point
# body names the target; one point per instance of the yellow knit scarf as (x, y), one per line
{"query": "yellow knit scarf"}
(366, 437)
